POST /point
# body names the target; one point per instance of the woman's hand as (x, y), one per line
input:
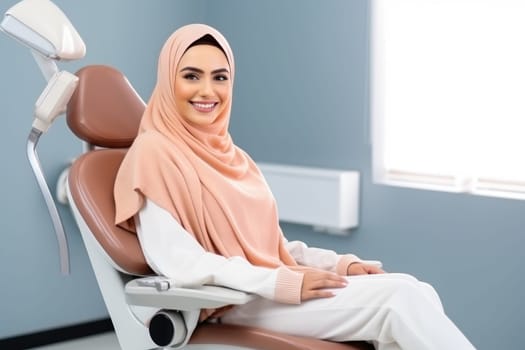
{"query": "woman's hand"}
(363, 269)
(317, 282)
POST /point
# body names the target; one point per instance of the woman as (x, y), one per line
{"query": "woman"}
(205, 215)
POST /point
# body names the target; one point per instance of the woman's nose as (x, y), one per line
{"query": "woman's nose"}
(206, 88)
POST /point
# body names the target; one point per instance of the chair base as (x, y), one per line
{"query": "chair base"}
(260, 339)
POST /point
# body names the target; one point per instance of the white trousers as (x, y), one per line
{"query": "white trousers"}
(393, 311)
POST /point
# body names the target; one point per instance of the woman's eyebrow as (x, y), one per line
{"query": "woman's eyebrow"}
(220, 70)
(198, 70)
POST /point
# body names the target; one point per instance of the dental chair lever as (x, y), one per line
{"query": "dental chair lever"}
(32, 141)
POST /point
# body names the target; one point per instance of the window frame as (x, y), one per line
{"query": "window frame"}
(511, 189)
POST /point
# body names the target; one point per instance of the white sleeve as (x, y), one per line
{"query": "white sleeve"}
(323, 259)
(173, 252)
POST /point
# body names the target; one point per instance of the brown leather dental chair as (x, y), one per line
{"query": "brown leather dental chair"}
(147, 313)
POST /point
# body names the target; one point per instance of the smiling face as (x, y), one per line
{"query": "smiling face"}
(203, 86)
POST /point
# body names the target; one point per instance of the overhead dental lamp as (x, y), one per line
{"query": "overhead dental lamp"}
(46, 31)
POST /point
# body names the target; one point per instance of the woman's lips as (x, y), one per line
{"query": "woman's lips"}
(204, 107)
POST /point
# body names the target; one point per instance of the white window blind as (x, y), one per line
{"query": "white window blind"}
(448, 94)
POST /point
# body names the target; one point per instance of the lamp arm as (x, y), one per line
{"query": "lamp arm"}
(32, 141)
(51, 103)
(47, 66)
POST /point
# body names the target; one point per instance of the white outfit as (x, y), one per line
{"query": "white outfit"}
(394, 311)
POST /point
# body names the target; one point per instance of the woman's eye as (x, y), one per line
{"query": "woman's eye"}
(191, 76)
(221, 77)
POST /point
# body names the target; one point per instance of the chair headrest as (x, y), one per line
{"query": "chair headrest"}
(108, 113)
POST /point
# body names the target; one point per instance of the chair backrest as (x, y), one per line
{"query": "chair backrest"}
(105, 112)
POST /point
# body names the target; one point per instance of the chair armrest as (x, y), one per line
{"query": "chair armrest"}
(183, 299)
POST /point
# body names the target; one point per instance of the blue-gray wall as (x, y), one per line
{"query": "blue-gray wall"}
(301, 97)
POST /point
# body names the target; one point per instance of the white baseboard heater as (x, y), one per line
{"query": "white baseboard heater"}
(324, 198)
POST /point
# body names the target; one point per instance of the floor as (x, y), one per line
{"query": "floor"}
(104, 341)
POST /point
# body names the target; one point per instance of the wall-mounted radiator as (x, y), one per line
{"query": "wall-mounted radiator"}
(326, 199)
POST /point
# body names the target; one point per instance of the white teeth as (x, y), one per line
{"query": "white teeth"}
(204, 105)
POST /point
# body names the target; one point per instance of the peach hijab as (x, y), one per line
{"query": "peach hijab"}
(212, 187)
